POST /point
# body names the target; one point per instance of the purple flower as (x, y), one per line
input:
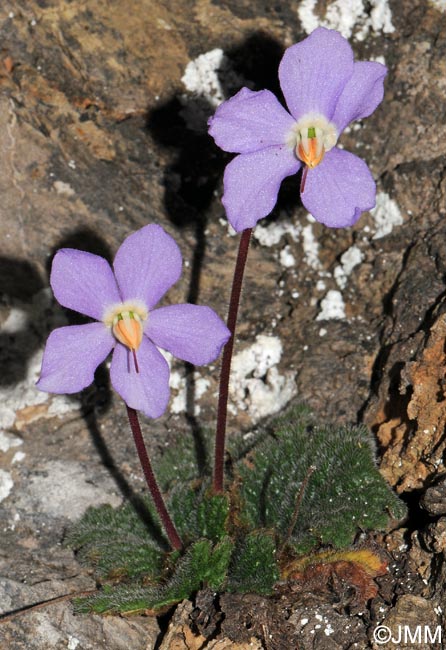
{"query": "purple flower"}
(325, 90)
(122, 302)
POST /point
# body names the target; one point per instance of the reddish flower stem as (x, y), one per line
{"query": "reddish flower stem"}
(169, 526)
(222, 408)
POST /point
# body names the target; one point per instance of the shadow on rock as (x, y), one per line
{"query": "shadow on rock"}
(23, 328)
(180, 125)
(96, 401)
(194, 178)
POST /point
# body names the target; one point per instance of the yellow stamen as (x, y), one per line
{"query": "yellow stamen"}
(311, 137)
(126, 320)
(311, 151)
(127, 328)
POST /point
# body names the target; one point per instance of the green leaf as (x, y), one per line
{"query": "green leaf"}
(117, 542)
(199, 513)
(237, 550)
(346, 492)
(202, 564)
(254, 567)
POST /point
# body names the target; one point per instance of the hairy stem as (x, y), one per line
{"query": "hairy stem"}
(222, 408)
(169, 526)
(300, 496)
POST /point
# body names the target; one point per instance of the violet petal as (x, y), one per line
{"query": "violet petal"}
(361, 95)
(250, 121)
(252, 182)
(339, 189)
(314, 72)
(192, 333)
(147, 264)
(72, 355)
(146, 390)
(83, 282)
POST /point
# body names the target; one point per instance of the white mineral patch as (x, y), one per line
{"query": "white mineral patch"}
(63, 489)
(311, 248)
(62, 404)
(286, 257)
(380, 18)
(64, 189)
(164, 24)
(6, 484)
(23, 393)
(225, 223)
(349, 17)
(256, 385)
(328, 630)
(379, 59)
(169, 358)
(439, 4)
(351, 258)
(201, 76)
(178, 383)
(386, 214)
(18, 457)
(332, 306)
(72, 642)
(17, 320)
(271, 234)
(7, 441)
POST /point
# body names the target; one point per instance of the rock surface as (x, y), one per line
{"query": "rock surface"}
(103, 107)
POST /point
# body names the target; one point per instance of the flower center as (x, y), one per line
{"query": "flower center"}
(126, 322)
(127, 328)
(310, 146)
(311, 137)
